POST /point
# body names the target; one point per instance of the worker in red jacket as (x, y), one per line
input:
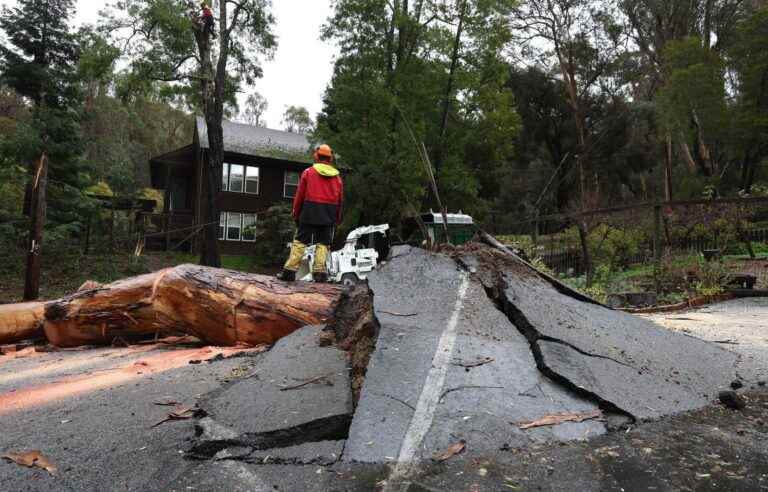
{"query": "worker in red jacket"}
(207, 17)
(316, 210)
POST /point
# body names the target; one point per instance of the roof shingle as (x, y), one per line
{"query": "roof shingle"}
(262, 142)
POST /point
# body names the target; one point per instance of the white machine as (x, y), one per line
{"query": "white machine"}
(349, 265)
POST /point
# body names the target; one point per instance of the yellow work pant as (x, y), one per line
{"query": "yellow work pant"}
(297, 253)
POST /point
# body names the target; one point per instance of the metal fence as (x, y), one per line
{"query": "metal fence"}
(567, 260)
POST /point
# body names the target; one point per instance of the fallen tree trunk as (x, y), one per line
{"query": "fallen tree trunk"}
(221, 307)
(21, 321)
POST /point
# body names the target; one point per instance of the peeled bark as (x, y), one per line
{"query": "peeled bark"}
(221, 307)
(21, 321)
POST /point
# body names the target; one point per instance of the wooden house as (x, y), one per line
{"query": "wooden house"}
(261, 168)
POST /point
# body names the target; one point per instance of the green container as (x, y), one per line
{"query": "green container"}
(461, 228)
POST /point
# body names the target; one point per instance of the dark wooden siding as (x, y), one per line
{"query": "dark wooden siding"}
(271, 176)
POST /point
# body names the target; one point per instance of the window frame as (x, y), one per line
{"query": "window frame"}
(286, 183)
(225, 176)
(242, 226)
(223, 227)
(258, 180)
(239, 226)
(229, 184)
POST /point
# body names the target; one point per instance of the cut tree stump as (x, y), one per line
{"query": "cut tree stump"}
(21, 321)
(220, 307)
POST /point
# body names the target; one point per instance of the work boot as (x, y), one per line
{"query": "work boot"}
(320, 277)
(287, 275)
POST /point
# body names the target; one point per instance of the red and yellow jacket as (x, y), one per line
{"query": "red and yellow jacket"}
(320, 196)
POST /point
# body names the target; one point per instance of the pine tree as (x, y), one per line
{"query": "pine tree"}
(41, 61)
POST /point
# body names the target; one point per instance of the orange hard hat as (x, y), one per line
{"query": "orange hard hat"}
(324, 151)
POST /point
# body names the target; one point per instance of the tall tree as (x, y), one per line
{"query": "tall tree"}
(748, 52)
(296, 119)
(404, 79)
(255, 107)
(579, 41)
(40, 63)
(166, 41)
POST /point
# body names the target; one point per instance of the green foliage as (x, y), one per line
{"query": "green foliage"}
(712, 276)
(274, 230)
(296, 119)
(41, 60)
(695, 88)
(397, 73)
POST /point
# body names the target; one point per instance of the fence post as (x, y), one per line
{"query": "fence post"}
(658, 245)
(167, 221)
(37, 212)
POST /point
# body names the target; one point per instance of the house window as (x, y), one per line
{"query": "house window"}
(236, 178)
(240, 179)
(252, 180)
(290, 183)
(234, 225)
(249, 227)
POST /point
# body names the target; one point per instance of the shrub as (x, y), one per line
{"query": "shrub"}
(274, 230)
(712, 276)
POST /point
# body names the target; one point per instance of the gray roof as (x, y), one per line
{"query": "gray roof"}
(262, 142)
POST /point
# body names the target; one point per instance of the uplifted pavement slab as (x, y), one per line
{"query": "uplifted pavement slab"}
(448, 365)
(622, 360)
(297, 393)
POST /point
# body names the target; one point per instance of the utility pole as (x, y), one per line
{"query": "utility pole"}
(37, 221)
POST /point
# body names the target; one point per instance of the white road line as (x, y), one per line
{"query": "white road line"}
(430, 395)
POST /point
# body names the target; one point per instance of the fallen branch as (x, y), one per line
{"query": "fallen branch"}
(309, 381)
(459, 388)
(559, 418)
(396, 314)
(478, 363)
(183, 413)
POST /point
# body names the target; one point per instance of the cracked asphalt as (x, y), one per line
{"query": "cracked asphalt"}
(467, 351)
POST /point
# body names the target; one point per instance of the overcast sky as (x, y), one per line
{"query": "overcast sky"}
(302, 65)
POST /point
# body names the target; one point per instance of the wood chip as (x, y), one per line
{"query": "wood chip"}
(452, 450)
(31, 459)
(559, 418)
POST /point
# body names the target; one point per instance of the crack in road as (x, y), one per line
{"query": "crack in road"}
(496, 293)
(332, 428)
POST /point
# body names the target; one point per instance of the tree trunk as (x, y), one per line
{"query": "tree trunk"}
(38, 190)
(585, 257)
(212, 110)
(220, 307)
(449, 87)
(21, 321)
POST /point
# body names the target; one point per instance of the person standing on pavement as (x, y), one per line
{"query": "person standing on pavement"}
(317, 210)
